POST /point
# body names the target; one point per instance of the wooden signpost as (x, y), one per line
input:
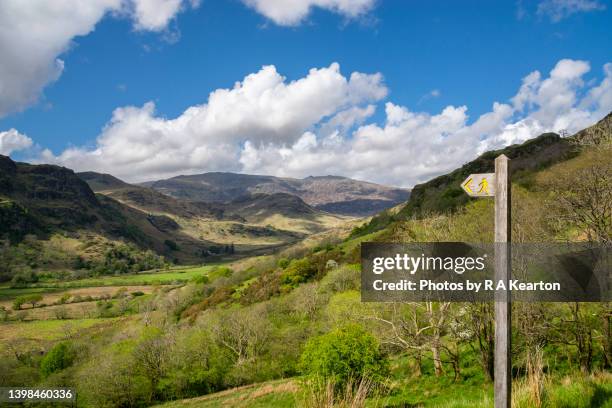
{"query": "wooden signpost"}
(498, 185)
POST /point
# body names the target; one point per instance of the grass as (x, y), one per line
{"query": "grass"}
(47, 330)
(279, 393)
(133, 279)
(8, 293)
(577, 391)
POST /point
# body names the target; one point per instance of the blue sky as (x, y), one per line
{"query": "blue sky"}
(430, 55)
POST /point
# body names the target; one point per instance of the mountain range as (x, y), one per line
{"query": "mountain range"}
(188, 218)
(333, 194)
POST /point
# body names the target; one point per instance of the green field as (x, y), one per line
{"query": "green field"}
(48, 330)
(7, 293)
(146, 278)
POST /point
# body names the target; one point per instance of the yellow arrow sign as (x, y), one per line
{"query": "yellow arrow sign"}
(479, 185)
(467, 184)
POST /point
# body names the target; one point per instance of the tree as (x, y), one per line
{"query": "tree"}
(33, 299)
(347, 354)
(152, 356)
(196, 366)
(59, 357)
(582, 195)
(244, 332)
(18, 302)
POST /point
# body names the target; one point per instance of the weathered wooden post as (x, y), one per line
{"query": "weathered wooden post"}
(498, 185)
(503, 299)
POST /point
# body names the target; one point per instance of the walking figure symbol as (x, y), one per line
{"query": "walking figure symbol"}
(484, 186)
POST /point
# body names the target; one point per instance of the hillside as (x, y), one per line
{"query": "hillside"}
(444, 192)
(148, 199)
(43, 201)
(332, 194)
(256, 323)
(257, 218)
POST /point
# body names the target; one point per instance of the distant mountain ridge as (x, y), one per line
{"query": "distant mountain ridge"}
(40, 200)
(334, 194)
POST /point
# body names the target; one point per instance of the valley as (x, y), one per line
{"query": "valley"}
(160, 299)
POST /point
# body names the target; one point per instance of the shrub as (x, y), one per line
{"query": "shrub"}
(22, 279)
(343, 355)
(138, 293)
(201, 279)
(283, 263)
(59, 357)
(21, 315)
(120, 293)
(61, 313)
(64, 299)
(221, 272)
(298, 271)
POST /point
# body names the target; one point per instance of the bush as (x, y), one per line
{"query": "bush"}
(21, 315)
(298, 271)
(201, 279)
(283, 263)
(221, 272)
(61, 313)
(59, 357)
(64, 299)
(344, 355)
(23, 279)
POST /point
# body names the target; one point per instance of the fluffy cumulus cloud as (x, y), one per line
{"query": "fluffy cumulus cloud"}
(34, 33)
(12, 141)
(292, 12)
(263, 109)
(322, 124)
(557, 10)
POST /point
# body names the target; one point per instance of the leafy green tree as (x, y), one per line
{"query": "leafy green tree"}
(33, 299)
(344, 354)
(196, 366)
(19, 301)
(59, 357)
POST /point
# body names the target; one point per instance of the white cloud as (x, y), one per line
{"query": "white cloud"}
(263, 109)
(154, 15)
(35, 33)
(12, 141)
(434, 93)
(293, 12)
(318, 125)
(557, 10)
